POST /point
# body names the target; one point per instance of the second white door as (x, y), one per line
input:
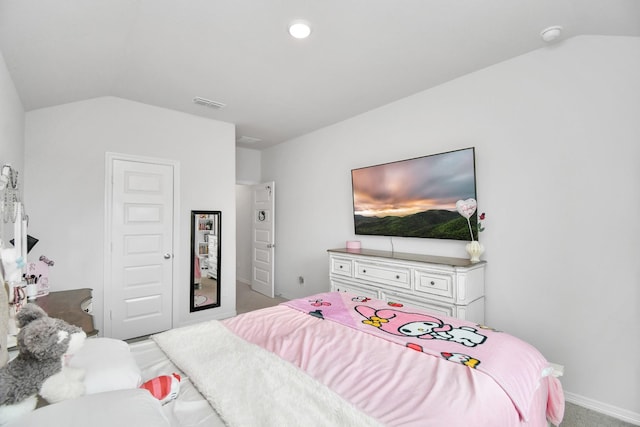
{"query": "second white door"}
(262, 242)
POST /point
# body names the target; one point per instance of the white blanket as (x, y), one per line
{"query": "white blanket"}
(249, 386)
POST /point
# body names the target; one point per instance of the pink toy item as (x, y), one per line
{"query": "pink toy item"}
(165, 388)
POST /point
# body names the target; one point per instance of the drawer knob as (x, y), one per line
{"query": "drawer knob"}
(364, 271)
(397, 276)
(432, 283)
(340, 267)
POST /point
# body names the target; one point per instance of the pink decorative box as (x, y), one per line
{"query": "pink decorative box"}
(353, 244)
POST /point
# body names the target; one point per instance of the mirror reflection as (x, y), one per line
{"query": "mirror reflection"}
(205, 259)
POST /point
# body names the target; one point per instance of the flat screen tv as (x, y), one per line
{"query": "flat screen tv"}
(416, 197)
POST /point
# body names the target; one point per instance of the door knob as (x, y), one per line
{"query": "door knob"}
(271, 245)
(167, 255)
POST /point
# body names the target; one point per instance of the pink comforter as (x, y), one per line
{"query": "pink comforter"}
(397, 386)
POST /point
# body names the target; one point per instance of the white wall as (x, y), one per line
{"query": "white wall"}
(248, 168)
(557, 136)
(244, 225)
(248, 171)
(11, 134)
(11, 152)
(65, 187)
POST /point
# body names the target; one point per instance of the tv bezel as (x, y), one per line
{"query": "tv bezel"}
(473, 219)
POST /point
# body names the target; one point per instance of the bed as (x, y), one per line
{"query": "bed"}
(331, 359)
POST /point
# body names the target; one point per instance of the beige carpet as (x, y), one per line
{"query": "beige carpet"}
(208, 287)
(577, 416)
(249, 300)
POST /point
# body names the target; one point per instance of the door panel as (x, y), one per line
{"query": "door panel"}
(141, 285)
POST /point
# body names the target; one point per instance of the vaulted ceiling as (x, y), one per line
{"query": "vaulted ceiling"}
(361, 53)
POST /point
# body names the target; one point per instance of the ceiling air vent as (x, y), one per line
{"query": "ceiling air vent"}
(209, 103)
(247, 140)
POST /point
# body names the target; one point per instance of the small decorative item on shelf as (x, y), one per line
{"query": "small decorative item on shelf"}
(353, 245)
(475, 249)
(38, 273)
(467, 208)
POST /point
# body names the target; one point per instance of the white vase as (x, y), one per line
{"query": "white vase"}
(475, 249)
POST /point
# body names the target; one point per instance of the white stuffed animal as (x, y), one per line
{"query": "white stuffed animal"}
(43, 344)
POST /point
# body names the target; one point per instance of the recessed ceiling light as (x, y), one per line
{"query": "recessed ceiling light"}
(299, 29)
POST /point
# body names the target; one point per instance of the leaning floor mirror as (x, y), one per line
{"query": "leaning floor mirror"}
(205, 260)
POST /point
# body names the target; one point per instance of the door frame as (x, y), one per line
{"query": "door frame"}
(110, 157)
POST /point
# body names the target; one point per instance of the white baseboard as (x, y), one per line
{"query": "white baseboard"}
(603, 408)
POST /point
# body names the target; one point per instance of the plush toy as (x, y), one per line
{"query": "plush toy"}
(165, 388)
(39, 368)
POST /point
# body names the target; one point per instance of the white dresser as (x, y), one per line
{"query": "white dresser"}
(449, 286)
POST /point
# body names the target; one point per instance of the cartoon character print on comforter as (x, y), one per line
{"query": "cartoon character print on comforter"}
(515, 365)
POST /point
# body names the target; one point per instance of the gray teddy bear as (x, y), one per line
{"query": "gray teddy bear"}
(43, 342)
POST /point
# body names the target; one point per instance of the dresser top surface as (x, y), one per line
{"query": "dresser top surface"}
(402, 256)
(67, 305)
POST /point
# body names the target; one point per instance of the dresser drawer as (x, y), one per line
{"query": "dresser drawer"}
(433, 308)
(342, 267)
(391, 275)
(431, 283)
(359, 291)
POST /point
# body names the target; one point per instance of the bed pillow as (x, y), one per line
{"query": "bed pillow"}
(108, 364)
(135, 407)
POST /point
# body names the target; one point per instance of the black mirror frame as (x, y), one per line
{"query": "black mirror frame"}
(194, 215)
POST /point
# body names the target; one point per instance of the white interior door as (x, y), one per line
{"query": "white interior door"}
(263, 245)
(138, 297)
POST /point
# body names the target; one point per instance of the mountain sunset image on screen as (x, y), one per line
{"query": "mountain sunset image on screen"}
(415, 197)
